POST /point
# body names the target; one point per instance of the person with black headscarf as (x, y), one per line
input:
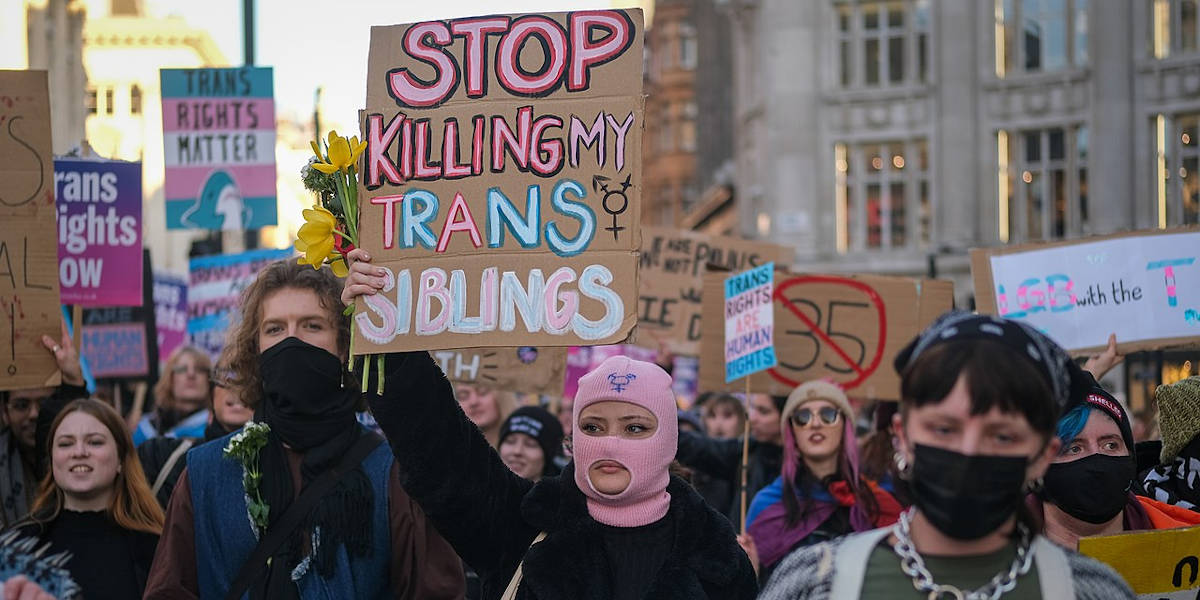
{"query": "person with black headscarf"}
(1089, 488)
(303, 502)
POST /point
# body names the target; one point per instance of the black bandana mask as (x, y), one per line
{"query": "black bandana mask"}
(303, 398)
(1094, 489)
(966, 496)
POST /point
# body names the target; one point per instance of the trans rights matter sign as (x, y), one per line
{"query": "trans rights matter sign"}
(501, 183)
(749, 322)
(99, 231)
(219, 143)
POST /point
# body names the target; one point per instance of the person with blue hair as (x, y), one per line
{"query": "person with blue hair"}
(1089, 486)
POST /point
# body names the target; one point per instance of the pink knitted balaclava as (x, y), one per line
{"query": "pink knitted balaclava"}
(643, 384)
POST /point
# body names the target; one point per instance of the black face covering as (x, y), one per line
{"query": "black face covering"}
(307, 409)
(966, 497)
(1094, 489)
(303, 398)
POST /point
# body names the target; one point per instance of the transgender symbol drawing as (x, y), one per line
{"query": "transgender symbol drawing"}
(600, 184)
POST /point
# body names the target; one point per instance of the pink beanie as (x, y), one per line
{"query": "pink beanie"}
(643, 384)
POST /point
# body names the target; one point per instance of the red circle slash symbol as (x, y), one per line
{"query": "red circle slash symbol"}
(825, 335)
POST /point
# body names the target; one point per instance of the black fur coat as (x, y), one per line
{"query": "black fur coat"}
(490, 515)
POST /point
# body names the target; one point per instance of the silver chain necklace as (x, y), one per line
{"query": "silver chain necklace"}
(913, 566)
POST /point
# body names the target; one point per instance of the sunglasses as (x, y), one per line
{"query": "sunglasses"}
(804, 416)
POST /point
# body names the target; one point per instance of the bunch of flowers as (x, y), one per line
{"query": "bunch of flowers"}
(330, 229)
(244, 448)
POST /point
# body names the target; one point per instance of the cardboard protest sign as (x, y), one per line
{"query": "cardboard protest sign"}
(170, 313)
(525, 369)
(121, 341)
(501, 182)
(215, 285)
(749, 322)
(1143, 286)
(845, 327)
(1158, 565)
(99, 231)
(219, 138)
(29, 304)
(671, 279)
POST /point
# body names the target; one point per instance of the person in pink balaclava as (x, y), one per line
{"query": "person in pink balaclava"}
(613, 525)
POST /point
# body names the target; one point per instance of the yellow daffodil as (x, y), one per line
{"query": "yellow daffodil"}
(343, 154)
(356, 150)
(337, 262)
(316, 236)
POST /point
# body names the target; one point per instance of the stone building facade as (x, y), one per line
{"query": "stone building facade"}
(891, 136)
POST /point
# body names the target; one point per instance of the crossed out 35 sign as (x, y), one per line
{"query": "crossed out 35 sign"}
(845, 328)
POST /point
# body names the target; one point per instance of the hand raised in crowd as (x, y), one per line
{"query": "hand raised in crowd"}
(20, 588)
(363, 279)
(66, 356)
(1102, 363)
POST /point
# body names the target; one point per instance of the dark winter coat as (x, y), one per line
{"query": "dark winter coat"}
(490, 515)
(722, 460)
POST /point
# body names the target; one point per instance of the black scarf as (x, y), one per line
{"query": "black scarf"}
(307, 409)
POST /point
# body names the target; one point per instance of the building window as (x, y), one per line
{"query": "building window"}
(687, 128)
(882, 43)
(108, 101)
(135, 99)
(687, 46)
(666, 134)
(1174, 27)
(1040, 35)
(90, 100)
(882, 195)
(1042, 183)
(1177, 186)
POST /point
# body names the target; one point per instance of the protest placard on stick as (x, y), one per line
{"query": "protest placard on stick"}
(1144, 286)
(749, 339)
(1158, 565)
(671, 280)
(501, 181)
(845, 327)
(29, 290)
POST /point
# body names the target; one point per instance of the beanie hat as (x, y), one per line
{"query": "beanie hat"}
(1094, 396)
(1178, 415)
(645, 500)
(540, 425)
(816, 390)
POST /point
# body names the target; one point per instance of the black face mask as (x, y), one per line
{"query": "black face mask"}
(303, 398)
(1093, 489)
(966, 497)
